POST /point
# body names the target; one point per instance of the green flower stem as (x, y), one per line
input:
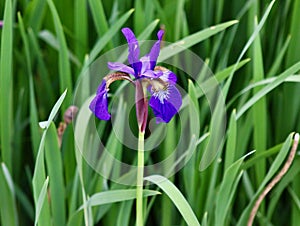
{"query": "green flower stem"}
(140, 176)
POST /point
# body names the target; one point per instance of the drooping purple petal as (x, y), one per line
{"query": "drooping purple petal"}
(154, 52)
(1, 23)
(133, 45)
(99, 105)
(116, 66)
(102, 87)
(165, 109)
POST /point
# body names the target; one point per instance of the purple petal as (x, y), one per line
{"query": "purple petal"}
(145, 60)
(152, 74)
(116, 66)
(166, 109)
(102, 87)
(168, 76)
(133, 45)
(154, 52)
(99, 104)
(137, 66)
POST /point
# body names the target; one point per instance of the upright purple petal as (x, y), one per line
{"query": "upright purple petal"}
(137, 66)
(133, 45)
(146, 65)
(154, 52)
(99, 105)
(116, 66)
(165, 109)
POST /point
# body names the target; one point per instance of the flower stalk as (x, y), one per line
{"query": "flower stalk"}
(140, 176)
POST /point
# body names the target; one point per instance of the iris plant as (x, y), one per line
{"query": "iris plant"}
(143, 73)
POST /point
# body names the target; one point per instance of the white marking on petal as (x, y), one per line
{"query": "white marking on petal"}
(161, 94)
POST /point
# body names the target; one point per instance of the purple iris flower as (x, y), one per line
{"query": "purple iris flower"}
(165, 98)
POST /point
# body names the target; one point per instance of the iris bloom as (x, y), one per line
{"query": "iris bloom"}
(143, 73)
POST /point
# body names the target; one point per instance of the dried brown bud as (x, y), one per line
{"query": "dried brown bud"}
(70, 114)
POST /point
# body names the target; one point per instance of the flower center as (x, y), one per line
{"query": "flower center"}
(160, 89)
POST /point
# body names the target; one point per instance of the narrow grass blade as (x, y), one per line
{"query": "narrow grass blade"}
(80, 133)
(217, 130)
(295, 198)
(55, 171)
(279, 59)
(24, 201)
(194, 109)
(161, 13)
(259, 109)
(38, 179)
(272, 151)
(68, 154)
(80, 28)
(8, 208)
(109, 197)
(147, 31)
(204, 219)
(108, 36)
(6, 86)
(34, 129)
(189, 172)
(113, 148)
(193, 39)
(64, 64)
(178, 18)
(76, 219)
(124, 213)
(227, 190)
(220, 76)
(248, 44)
(283, 184)
(292, 78)
(52, 41)
(272, 171)
(225, 73)
(291, 106)
(99, 18)
(46, 87)
(55, 109)
(41, 200)
(168, 147)
(39, 175)
(177, 198)
(36, 13)
(139, 17)
(290, 71)
(230, 153)
(113, 196)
